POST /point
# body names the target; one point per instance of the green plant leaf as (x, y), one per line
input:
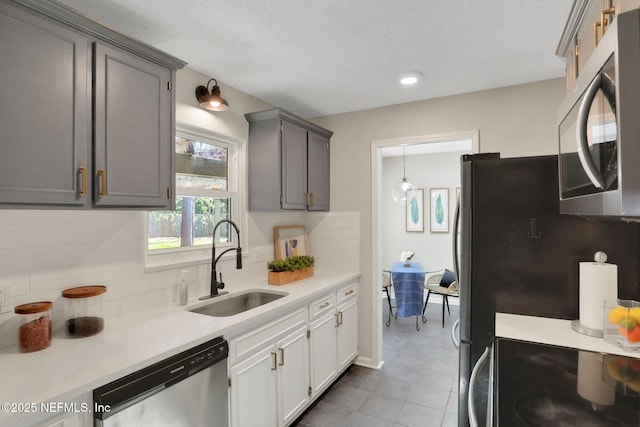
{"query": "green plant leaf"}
(291, 264)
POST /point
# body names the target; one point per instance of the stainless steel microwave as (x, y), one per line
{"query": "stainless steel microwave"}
(599, 128)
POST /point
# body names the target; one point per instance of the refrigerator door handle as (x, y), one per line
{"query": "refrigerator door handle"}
(455, 339)
(473, 421)
(456, 249)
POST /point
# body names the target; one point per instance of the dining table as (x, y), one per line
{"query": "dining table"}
(408, 286)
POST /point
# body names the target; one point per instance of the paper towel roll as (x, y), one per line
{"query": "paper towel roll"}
(598, 283)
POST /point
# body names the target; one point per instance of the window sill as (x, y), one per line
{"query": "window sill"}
(185, 257)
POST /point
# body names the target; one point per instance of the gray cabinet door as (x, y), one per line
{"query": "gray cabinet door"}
(294, 166)
(133, 141)
(44, 111)
(318, 172)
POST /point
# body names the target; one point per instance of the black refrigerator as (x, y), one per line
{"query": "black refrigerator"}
(516, 254)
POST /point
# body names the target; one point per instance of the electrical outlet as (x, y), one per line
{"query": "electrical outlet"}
(5, 298)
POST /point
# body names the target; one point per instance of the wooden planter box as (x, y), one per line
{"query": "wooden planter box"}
(284, 277)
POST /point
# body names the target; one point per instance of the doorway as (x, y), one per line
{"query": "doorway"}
(431, 163)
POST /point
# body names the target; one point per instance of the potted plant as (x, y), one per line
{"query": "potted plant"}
(283, 271)
(406, 257)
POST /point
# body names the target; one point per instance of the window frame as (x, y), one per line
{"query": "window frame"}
(236, 189)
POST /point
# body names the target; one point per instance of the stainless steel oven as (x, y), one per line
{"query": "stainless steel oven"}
(599, 128)
(188, 390)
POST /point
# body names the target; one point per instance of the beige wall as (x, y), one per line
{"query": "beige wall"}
(515, 121)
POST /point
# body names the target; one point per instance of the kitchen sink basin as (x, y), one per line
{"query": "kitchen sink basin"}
(229, 305)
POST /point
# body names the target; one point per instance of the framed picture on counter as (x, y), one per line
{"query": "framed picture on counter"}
(290, 240)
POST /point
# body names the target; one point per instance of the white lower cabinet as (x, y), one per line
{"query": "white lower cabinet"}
(334, 336)
(323, 343)
(277, 369)
(270, 387)
(253, 395)
(347, 333)
(293, 375)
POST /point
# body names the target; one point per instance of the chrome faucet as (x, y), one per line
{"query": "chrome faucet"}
(215, 285)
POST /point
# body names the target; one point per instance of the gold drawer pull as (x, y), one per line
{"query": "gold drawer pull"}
(325, 305)
(102, 190)
(349, 292)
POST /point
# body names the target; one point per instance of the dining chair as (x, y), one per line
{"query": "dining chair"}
(444, 284)
(387, 282)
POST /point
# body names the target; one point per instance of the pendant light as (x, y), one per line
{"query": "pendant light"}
(399, 192)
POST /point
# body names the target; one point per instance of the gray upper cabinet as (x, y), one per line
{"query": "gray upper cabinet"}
(318, 172)
(288, 162)
(87, 114)
(132, 153)
(45, 110)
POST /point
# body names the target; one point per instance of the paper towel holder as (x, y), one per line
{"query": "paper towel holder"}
(584, 330)
(599, 257)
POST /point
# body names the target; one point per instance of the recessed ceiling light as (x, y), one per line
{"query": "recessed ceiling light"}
(410, 78)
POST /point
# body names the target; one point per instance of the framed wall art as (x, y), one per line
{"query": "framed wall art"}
(439, 210)
(290, 240)
(415, 211)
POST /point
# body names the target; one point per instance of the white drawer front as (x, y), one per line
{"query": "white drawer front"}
(347, 293)
(319, 307)
(247, 344)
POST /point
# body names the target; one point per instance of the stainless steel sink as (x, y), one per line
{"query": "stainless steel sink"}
(229, 305)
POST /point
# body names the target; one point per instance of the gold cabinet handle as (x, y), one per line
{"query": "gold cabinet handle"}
(102, 190)
(325, 305)
(83, 180)
(596, 25)
(273, 361)
(349, 292)
(339, 318)
(604, 21)
(281, 350)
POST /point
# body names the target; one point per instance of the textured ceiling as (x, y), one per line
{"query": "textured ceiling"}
(324, 57)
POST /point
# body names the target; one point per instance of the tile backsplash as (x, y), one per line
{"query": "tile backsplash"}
(43, 252)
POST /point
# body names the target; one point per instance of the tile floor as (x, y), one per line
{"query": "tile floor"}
(416, 387)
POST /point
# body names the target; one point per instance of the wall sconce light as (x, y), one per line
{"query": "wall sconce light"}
(211, 100)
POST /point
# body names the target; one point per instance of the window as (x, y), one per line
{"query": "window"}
(204, 183)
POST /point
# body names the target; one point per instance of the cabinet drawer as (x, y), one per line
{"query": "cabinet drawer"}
(248, 343)
(347, 293)
(319, 307)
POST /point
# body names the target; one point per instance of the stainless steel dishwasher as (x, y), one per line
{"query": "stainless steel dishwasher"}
(187, 390)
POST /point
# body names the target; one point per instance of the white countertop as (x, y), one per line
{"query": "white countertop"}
(71, 367)
(554, 332)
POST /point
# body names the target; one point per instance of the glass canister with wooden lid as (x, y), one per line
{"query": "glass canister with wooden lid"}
(34, 326)
(83, 310)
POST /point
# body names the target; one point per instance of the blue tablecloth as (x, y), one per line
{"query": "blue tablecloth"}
(408, 285)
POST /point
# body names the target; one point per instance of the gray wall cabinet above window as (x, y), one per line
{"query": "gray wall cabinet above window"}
(87, 115)
(288, 162)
